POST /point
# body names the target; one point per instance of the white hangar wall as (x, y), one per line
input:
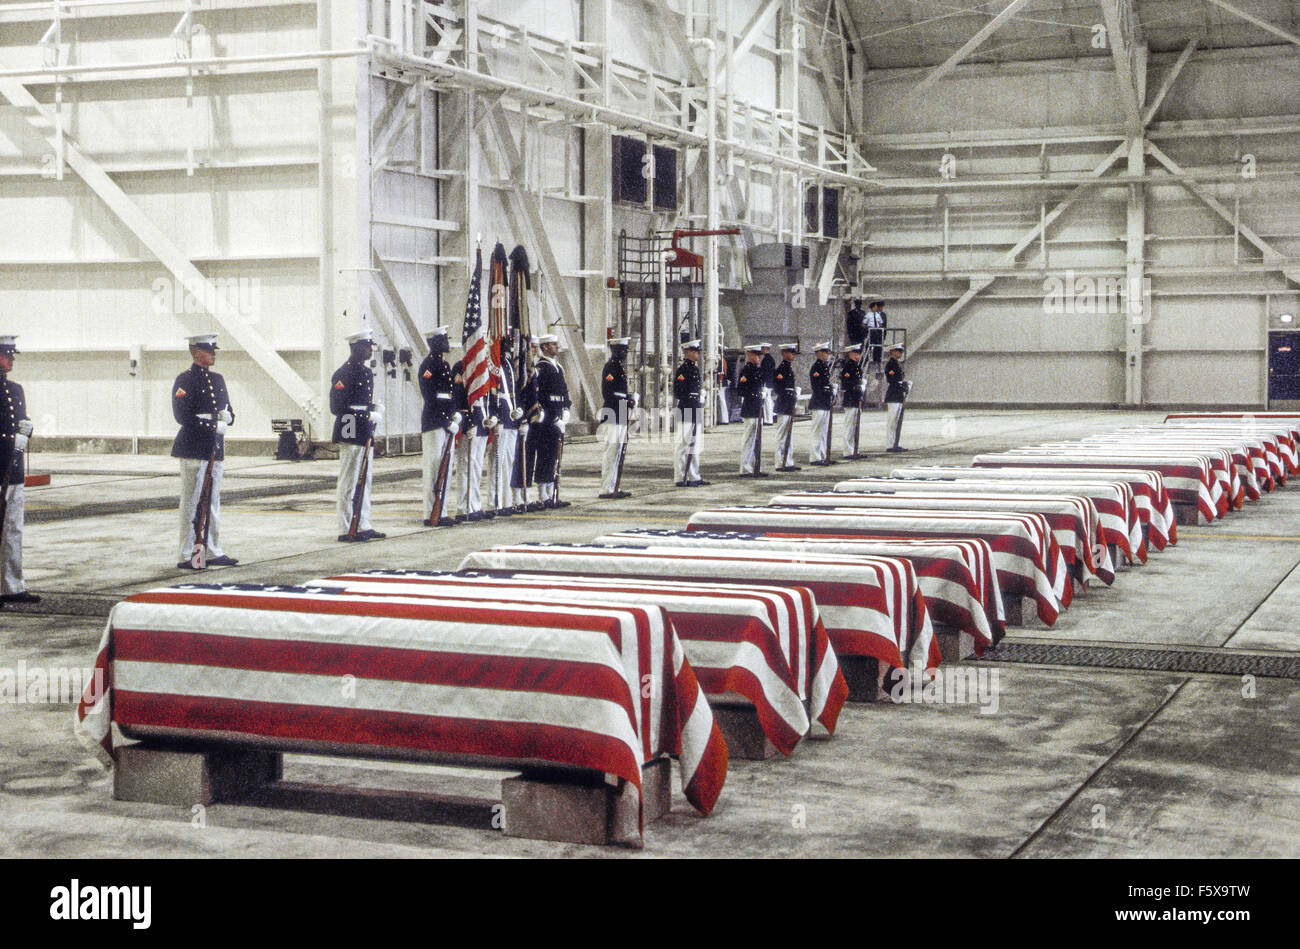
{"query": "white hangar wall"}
(227, 169)
(1212, 295)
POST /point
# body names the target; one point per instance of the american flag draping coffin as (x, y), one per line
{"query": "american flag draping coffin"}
(1284, 427)
(1116, 511)
(1224, 484)
(765, 644)
(1028, 561)
(1188, 479)
(956, 577)
(1247, 459)
(1257, 458)
(870, 607)
(1073, 519)
(1155, 509)
(485, 682)
(1279, 446)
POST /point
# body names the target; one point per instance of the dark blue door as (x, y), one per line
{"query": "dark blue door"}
(1284, 365)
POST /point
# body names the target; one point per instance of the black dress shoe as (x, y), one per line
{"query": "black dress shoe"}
(623, 494)
(447, 522)
(222, 561)
(475, 516)
(895, 449)
(682, 484)
(697, 484)
(428, 522)
(818, 464)
(536, 505)
(554, 503)
(23, 597)
(344, 538)
(521, 508)
(460, 518)
(370, 534)
(607, 496)
(504, 512)
(790, 468)
(186, 565)
(490, 514)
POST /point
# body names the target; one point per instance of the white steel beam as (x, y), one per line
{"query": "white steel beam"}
(1262, 24)
(168, 254)
(1168, 81)
(528, 213)
(951, 63)
(980, 283)
(1271, 255)
(1130, 58)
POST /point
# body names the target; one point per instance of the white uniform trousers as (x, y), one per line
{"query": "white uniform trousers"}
(432, 445)
(686, 463)
(821, 423)
(749, 460)
(507, 449)
(768, 406)
(470, 450)
(851, 433)
(193, 471)
(613, 434)
(784, 438)
(11, 545)
(892, 422)
(349, 467)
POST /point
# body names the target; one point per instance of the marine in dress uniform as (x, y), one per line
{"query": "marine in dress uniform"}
(480, 419)
(352, 391)
(855, 323)
(819, 376)
(786, 393)
(439, 422)
(851, 395)
(506, 498)
(15, 431)
(553, 397)
(768, 365)
(894, 397)
(201, 407)
(615, 414)
(689, 408)
(749, 386)
(532, 414)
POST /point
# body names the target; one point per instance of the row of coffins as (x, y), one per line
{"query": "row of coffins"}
(588, 667)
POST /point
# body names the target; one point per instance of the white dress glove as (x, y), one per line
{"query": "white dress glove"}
(222, 427)
(377, 414)
(491, 422)
(564, 418)
(516, 414)
(455, 422)
(227, 416)
(20, 442)
(25, 427)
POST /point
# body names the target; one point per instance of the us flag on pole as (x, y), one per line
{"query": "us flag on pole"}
(473, 340)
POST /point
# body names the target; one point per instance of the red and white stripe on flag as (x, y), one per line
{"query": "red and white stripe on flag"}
(870, 607)
(600, 688)
(764, 643)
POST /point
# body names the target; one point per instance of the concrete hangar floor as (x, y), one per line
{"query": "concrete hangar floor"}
(1093, 751)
